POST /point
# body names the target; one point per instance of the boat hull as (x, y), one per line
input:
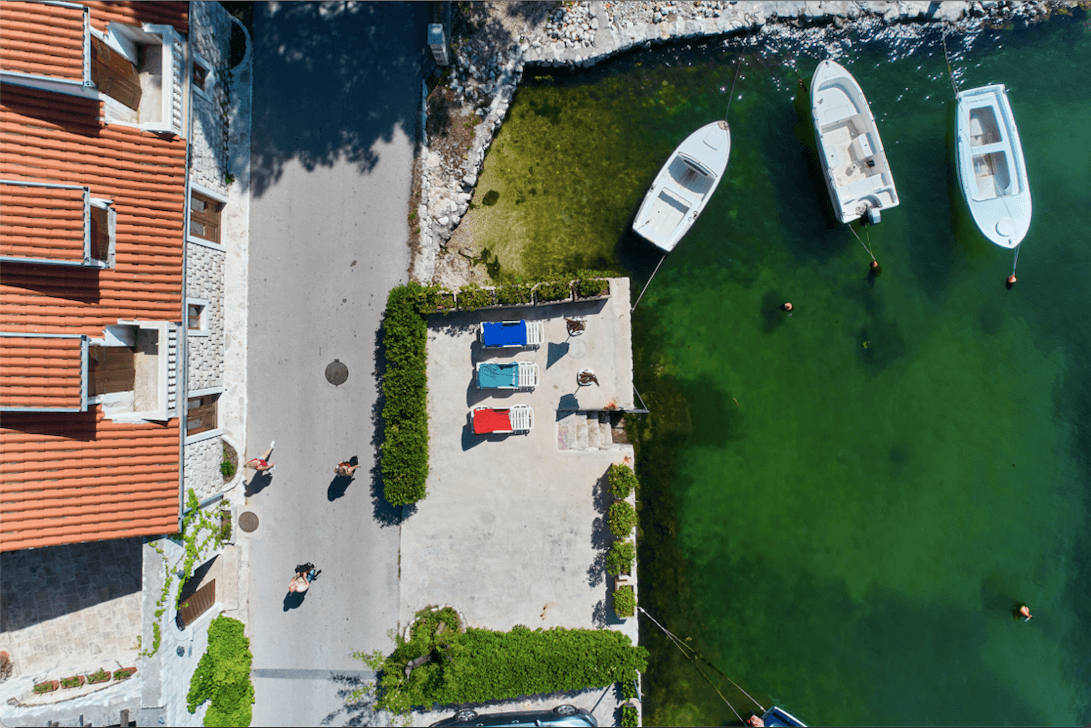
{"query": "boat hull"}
(991, 170)
(854, 163)
(684, 186)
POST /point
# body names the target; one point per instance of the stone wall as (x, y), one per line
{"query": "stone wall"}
(205, 354)
(210, 38)
(202, 472)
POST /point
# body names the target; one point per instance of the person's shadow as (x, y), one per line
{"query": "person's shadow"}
(338, 486)
(257, 483)
(293, 599)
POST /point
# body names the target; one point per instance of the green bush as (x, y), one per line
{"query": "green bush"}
(621, 518)
(427, 299)
(227, 469)
(404, 450)
(622, 480)
(628, 689)
(514, 293)
(223, 676)
(478, 665)
(553, 291)
(98, 676)
(629, 717)
(45, 687)
(473, 296)
(123, 674)
(70, 682)
(587, 287)
(625, 601)
(620, 559)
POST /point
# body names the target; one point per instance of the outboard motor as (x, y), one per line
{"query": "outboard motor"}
(873, 216)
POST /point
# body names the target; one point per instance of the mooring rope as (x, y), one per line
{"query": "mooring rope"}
(947, 59)
(682, 646)
(1013, 265)
(738, 68)
(648, 283)
(862, 242)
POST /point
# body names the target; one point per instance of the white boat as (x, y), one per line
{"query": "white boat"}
(991, 170)
(684, 185)
(853, 160)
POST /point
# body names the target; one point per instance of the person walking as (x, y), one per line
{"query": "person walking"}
(304, 575)
(347, 468)
(261, 464)
(1024, 611)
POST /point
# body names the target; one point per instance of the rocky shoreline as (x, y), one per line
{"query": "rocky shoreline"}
(484, 76)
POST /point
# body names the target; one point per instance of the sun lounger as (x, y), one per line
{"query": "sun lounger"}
(488, 420)
(500, 334)
(511, 375)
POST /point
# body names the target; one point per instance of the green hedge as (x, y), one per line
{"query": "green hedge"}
(622, 480)
(625, 601)
(223, 676)
(405, 388)
(629, 717)
(514, 293)
(587, 287)
(479, 665)
(620, 559)
(553, 291)
(428, 299)
(621, 518)
(473, 296)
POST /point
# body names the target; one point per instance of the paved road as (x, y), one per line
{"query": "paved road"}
(336, 97)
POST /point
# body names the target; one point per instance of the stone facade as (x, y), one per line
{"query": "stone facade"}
(202, 471)
(205, 353)
(210, 38)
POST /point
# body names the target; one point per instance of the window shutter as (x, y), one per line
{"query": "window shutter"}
(204, 217)
(112, 369)
(114, 75)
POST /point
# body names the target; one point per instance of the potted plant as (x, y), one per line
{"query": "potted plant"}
(621, 479)
(124, 673)
(621, 517)
(99, 676)
(621, 557)
(5, 665)
(589, 287)
(72, 682)
(472, 296)
(624, 602)
(46, 687)
(224, 534)
(515, 294)
(629, 715)
(553, 292)
(433, 299)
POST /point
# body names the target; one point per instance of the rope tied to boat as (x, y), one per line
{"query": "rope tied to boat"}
(686, 650)
(862, 242)
(947, 59)
(648, 283)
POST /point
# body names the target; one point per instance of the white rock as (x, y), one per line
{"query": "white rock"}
(442, 221)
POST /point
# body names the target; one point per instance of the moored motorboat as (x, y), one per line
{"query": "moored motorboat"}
(853, 159)
(991, 169)
(683, 186)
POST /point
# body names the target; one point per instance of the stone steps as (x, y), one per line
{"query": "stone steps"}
(585, 431)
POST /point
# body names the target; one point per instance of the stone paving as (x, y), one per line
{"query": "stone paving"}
(70, 608)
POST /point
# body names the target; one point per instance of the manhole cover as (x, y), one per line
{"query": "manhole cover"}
(248, 521)
(336, 372)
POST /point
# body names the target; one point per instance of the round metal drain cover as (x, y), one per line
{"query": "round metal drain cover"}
(248, 521)
(336, 372)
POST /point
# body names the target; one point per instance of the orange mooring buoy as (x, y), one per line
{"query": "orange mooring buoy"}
(874, 264)
(787, 307)
(1012, 279)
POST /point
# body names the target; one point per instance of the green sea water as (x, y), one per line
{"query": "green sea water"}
(840, 509)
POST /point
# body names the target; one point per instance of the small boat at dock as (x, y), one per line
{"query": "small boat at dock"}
(991, 169)
(780, 718)
(852, 155)
(683, 186)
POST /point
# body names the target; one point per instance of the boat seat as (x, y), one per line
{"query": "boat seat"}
(861, 187)
(831, 158)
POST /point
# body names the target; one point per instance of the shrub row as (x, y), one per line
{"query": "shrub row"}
(404, 451)
(99, 676)
(223, 676)
(479, 665)
(625, 601)
(629, 717)
(433, 299)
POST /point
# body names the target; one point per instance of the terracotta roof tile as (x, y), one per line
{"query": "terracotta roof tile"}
(70, 477)
(41, 372)
(42, 222)
(44, 40)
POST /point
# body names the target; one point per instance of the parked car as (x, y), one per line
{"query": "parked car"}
(562, 715)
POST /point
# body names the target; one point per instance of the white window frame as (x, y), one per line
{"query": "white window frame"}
(204, 304)
(88, 203)
(210, 77)
(207, 434)
(124, 38)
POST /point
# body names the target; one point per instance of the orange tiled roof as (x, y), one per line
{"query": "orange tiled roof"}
(41, 372)
(70, 477)
(47, 40)
(74, 477)
(42, 222)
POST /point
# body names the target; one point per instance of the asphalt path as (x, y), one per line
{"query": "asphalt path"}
(336, 99)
